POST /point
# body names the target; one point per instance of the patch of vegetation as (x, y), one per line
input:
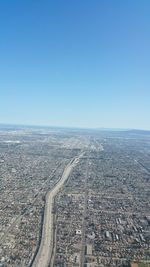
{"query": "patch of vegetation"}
(144, 264)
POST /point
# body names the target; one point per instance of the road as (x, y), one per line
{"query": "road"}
(44, 254)
(18, 218)
(82, 261)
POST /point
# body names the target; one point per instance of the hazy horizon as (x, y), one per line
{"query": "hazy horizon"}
(71, 128)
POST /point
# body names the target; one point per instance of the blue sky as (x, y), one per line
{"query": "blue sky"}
(75, 63)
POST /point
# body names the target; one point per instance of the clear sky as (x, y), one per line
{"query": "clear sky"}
(83, 63)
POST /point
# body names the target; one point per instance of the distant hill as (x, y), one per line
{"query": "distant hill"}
(139, 132)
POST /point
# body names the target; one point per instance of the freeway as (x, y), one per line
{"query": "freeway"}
(18, 218)
(44, 254)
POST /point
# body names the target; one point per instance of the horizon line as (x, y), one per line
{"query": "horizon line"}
(73, 127)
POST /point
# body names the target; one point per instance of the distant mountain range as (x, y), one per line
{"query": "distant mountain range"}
(129, 131)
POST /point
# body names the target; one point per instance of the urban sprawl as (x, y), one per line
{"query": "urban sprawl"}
(73, 198)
